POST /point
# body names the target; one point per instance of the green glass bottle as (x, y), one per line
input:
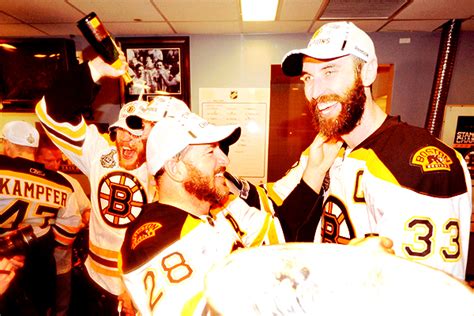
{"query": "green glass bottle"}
(100, 39)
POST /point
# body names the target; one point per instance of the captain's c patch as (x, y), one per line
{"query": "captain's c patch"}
(431, 158)
(144, 232)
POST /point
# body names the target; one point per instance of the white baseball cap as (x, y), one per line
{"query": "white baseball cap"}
(131, 108)
(158, 108)
(171, 135)
(21, 133)
(331, 40)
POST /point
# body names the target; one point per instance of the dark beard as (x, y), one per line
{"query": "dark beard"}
(352, 107)
(199, 185)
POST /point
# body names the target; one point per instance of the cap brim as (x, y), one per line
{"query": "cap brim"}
(292, 64)
(134, 122)
(121, 123)
(232, 138)
(227, 134)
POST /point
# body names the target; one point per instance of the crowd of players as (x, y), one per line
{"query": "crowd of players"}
(163, 207)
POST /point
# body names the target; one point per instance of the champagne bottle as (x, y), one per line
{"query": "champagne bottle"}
(101, 40)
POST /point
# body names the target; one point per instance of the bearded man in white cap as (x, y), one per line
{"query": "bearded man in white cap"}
(37, 211)
(196, 221)
(115, 166)
(390, 178)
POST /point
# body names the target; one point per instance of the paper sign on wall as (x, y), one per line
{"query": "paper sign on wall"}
(249, 108)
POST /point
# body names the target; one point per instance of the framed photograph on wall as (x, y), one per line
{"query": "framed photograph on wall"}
(160, 63)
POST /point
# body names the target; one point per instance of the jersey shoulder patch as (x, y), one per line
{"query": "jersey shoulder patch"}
(416, 159)
(107, 160)
(157, 227)
(431, 158)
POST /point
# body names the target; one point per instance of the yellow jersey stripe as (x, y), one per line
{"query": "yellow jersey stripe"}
(273, 195)
(64, 145)
(264, 200)
(102, 270)
(273, 236)
(189, 225)
(103, 252)
(74, 132)
(261, 235)
(190, 306)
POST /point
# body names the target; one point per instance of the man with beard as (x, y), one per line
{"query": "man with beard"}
(115, 166)
(389, 178)
(305, 194)
(175, 241)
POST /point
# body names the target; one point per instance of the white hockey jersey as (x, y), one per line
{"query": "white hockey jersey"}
(401, 183)
(32, 195)
(167, 252)
(117, 195)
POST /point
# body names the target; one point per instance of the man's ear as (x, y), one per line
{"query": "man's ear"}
(175, 169)
(369, 72)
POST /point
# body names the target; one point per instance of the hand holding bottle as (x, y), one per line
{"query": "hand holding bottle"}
(100, 68)
(101, 40)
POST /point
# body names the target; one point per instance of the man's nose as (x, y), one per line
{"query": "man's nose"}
(318, 89)
(222, 158)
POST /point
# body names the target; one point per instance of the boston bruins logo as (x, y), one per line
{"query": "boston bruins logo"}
(336, 225)
(121, 198)
(431, 158)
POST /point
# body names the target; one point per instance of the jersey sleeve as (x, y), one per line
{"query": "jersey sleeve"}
(60, 113)
(300, 213)
(279, 190)
(68, 221)
(79, 142)
(296, 205)
(71, 94)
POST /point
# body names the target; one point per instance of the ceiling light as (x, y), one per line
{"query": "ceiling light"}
(259, 10)
(7, 46)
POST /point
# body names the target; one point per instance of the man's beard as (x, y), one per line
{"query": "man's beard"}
(352, 108)
(201, 186)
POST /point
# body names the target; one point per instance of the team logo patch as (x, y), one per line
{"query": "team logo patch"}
(144, 232)
(107, 160)
(431, 158)
(120, 198)
(336, 225)
(130, 109)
